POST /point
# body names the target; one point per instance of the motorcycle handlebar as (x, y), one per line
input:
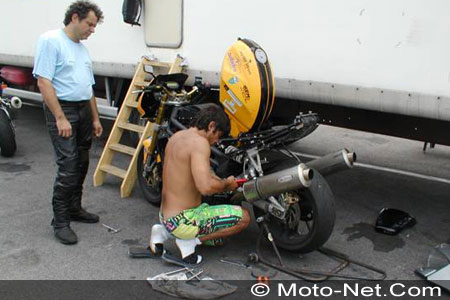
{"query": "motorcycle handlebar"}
(166, 88)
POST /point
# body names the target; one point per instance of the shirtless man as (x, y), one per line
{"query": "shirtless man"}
(186, 177)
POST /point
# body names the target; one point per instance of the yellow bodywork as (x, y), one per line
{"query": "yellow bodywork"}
(246, 88)
(146, 145)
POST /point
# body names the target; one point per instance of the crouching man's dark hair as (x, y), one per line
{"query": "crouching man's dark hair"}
(212, 113)
(82, 9)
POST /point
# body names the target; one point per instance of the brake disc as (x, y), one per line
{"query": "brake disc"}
(293, 216)
(154, 178)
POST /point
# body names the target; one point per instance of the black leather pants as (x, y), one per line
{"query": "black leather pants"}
(72, 159)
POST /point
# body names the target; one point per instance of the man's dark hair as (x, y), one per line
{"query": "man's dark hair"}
(82, 9)
(212, 113)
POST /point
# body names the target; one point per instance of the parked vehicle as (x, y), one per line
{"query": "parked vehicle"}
(379, 66)
(7, 132)
(300, 216)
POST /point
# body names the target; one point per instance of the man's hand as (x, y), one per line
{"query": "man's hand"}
(231, 183)
(64, 127)
(98, 129)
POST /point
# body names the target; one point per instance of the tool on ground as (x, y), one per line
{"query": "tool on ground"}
(111, 229)
(263, 279)
(185, 270)
(305, 274)
(234, 262)
(195, 275)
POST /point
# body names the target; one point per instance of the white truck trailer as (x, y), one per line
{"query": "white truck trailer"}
(381, 66)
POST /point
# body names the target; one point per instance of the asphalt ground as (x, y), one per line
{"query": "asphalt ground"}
(28, 249)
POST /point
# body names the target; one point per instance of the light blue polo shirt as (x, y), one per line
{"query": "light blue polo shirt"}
(66, 64)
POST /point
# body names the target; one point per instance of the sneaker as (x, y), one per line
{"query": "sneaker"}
(66, 235)
(191, 261)
(142, 252)
(83, 216)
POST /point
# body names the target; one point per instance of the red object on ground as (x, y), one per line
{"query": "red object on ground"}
(16, 75)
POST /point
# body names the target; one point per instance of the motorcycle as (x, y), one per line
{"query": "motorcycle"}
(7, 131)
(292, 197)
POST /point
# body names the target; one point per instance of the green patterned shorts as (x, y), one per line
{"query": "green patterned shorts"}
(202, 220)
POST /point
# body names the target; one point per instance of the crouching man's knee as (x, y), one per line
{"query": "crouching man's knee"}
(245, 221)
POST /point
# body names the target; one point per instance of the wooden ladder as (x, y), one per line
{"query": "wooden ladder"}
(122, 123)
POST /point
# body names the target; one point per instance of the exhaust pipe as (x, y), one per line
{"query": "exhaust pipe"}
(16, 102)
(333, 162)
(283, 181)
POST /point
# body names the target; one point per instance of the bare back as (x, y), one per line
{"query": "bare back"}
(179, 189)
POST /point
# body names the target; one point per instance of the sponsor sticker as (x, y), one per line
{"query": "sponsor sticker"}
(245, 93)
(229, 105)
(233, 61)
(233, 80)
(246, 63)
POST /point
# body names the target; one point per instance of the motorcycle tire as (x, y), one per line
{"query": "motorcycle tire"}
(7, 137)
(316, 206)
(152, 195)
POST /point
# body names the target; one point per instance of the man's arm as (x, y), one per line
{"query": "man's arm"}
(97, 126)
(51, 100)
(206, 182)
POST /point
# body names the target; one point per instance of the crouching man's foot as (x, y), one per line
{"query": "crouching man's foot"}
(189, 258)
(66, 235)
(83, 216)
(158, 236)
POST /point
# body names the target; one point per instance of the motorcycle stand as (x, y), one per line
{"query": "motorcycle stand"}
(306, 274)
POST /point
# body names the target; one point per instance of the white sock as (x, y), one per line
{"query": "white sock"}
(187, 247)
(158, 236)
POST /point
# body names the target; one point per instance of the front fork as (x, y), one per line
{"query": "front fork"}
(149, 148)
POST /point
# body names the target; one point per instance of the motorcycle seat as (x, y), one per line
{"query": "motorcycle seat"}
(172, 81)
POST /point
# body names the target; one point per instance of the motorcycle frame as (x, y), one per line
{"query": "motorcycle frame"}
(251, 160)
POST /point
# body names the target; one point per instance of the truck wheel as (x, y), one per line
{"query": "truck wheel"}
(7, 138)
(310, 218)
(151, 186)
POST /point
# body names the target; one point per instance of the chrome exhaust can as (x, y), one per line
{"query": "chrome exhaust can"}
(273, 184)
(333, 162)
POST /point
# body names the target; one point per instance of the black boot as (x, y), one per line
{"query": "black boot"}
(83, 216)
(66, 235)
(77, 213)
(61, 220)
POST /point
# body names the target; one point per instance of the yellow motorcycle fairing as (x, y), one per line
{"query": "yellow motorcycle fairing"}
(247, 89)
(146, 144)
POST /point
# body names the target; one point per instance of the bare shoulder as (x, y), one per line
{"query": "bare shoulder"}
(197, 142)
(190, 141)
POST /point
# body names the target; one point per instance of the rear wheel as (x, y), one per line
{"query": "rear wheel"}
(151, 185)
(7, 138)
(310, 216)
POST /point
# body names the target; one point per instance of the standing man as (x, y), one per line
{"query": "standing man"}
(63, 69)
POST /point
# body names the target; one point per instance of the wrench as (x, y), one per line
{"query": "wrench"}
(111, 229)
(234, 262)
